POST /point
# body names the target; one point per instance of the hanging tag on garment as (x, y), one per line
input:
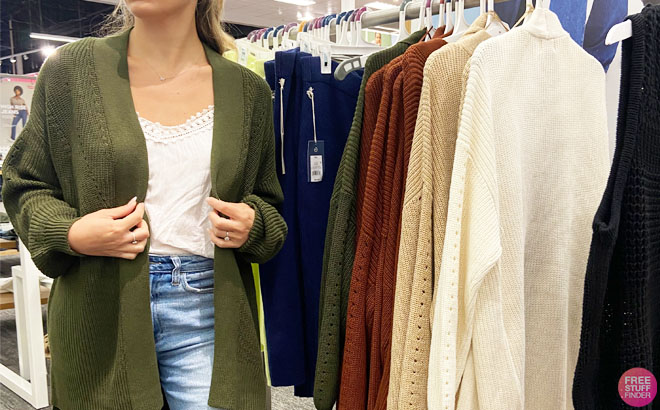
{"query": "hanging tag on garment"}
(315, 148)
(304, 43)
(315, 161)
(242, 55)
(325, 52)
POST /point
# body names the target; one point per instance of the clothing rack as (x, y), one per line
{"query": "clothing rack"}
(388, 16)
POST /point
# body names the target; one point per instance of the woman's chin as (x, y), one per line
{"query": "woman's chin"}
(147, 9)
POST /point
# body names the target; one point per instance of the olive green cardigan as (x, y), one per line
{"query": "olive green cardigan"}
(83, 150)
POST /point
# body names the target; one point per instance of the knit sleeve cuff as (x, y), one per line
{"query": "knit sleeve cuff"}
(51, 234)
(267, 234)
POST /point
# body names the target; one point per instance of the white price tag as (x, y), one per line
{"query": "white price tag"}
(325, 52)
(316, 168)
(243, 55)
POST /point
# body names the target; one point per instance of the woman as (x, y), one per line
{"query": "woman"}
(18, 103)
(130, 315)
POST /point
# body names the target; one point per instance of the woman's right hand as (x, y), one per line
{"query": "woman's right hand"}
(111, 232)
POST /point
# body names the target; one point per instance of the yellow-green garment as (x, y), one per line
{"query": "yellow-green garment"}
(253, 64)
(256, 66)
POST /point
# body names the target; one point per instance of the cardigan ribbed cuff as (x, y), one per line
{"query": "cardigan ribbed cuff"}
(263, 243)
(51, 234)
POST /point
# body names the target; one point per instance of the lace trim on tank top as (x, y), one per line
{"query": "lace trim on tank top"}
(155, 131)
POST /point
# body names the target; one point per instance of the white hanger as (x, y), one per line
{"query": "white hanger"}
(246, 47)
(429, 14)
(442, 15)
(449, 21)
(270, 39)
(403, 10)
(428, 17)
(359, 48)
(491, 7)
(328, 27)
(461, 26)
(494, 25)
(287, 43)
(619, 32)
(343, 39)
(356, 28)
(422, 16)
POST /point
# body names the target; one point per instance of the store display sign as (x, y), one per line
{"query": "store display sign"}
(15, 99)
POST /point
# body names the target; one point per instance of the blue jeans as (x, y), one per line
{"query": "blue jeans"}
(183, 322)
(20, 116)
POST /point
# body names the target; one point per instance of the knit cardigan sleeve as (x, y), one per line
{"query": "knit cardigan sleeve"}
(269, 229)
(423, 226)
(32, 194)
(467, 315)
(414, 263)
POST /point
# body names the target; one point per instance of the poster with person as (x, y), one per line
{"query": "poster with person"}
(15, 99)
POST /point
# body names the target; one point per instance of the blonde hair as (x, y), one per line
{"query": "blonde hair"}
(207, 19)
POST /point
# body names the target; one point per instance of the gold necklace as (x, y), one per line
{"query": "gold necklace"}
(162, 78)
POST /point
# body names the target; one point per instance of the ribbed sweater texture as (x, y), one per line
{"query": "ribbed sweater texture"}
(380, 195)
(530, 167)
(423, 214)
(402, 115)
(362, 365)
(621, 315)
(373, 92)
(83, 150)
(340, 245)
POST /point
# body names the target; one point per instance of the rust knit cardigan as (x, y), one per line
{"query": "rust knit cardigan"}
(403, 117)
(385, 148)
(356, 373)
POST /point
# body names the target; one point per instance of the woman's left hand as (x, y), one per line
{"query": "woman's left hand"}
(233, 229)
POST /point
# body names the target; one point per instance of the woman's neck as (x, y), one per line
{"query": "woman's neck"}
(168, 44)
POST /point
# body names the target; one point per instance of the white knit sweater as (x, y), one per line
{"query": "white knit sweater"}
(530, 168)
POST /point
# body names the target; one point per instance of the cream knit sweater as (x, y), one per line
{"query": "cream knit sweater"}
(423, 218)
(529, 171)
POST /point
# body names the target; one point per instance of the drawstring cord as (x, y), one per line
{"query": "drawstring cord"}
(310, 94)
(282, 82)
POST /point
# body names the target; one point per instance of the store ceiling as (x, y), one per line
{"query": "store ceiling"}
(267, 13)
(271, 13)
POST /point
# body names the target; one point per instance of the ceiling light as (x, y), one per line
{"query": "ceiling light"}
(379, 5)
(53, 37)
(47, 51)
(304, 17)
(298, 2)
(12, 60)
(25, 57)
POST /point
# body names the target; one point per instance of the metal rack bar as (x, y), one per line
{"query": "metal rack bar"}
(388, 16)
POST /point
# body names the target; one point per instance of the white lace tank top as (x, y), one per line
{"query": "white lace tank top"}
(179, 183)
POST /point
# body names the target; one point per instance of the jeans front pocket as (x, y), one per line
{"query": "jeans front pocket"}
(198, 282)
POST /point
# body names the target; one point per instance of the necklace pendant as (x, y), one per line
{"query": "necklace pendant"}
(162, 78)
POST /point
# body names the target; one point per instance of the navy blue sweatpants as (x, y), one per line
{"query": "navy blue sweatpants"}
(334, 103)
(280, 284)
(292, 279)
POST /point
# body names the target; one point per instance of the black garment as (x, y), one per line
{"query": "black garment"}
(621, 317)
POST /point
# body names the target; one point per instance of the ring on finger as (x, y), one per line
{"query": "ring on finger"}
(134, 239)
(227, 238)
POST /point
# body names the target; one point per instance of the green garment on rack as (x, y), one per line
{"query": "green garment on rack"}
(253, 64)
(262, 323)
(340, 244)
